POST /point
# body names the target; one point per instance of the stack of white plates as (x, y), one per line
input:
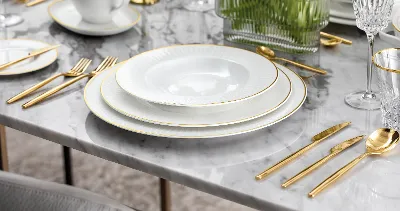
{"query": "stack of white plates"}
(195, 91)
(342, 12)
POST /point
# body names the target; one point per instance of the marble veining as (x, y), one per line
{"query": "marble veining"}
(224, 167)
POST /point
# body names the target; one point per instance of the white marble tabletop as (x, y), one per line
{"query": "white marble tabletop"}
(224, 167)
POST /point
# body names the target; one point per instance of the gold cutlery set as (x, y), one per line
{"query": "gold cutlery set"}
(379, 142)
(76, 72)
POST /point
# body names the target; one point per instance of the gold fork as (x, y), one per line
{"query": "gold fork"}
(107, 62)
(77, 70)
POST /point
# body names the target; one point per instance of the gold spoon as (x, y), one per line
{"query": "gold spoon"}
(270, 54)
(330, 42)
(379, 142)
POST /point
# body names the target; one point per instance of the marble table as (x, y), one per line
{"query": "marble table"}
(224, 167)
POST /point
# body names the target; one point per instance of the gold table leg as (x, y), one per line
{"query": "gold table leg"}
(3, 149)
(165, 195)
(68, 176)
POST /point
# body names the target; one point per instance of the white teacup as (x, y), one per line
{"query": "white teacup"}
(98, 11)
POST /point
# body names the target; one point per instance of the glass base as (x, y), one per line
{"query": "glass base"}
(199, 5)
(11, 20)
(274, 37)
(363, 100)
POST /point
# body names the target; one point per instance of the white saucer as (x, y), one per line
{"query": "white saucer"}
(96, 104)
(13, 49)
(139, 109)
(65, 14)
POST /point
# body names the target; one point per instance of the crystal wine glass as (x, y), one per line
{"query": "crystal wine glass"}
(7, 19)
(372, 16)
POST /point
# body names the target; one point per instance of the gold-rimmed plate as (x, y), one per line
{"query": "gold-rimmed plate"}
(100, 108)
(145, 111)
(14, 49)
(64, 13)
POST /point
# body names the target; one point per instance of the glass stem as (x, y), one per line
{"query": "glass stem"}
(371, 38)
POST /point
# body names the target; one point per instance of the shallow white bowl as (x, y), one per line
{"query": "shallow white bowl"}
(197, 75)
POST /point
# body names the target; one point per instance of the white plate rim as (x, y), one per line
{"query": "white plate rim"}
(91, 30)
(193, 137)
(200, 105)
(343, 21)
(395, 21)
(392, 39)
(36, 68)
(337, 13)
(195, 125)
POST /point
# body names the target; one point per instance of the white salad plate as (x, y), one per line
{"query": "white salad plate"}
(17, 48)
(197, 75)
(145, 111)
(64, 13)
(96, 104)
(342, 10)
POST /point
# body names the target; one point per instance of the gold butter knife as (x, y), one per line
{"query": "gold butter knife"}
(334, 151)
(330, 36)
(34, 2)
(315, 141)
(32, 54)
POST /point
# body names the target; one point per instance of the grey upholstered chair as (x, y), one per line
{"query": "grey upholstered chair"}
(20, 193)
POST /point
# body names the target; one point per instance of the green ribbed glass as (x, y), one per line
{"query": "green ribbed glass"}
(287, 25)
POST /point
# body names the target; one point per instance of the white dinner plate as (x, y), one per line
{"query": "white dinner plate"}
(14, 49)
(142, 110)
(197, 75)
(95, 103)
(342, 10)
(64, 13)
(343, 21)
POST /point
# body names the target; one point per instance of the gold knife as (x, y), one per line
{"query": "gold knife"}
(334, 151)
(34, 2)
(330, 36)
(32, 54)
(315, 141)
